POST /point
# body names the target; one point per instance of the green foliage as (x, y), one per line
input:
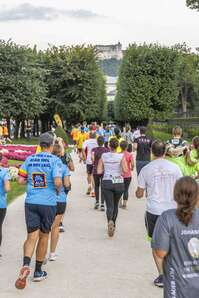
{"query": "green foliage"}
(60, 132)
(22, 88)
(110, 67)
(76, 83)
(147, 83)
(193, 4)
(16, 191)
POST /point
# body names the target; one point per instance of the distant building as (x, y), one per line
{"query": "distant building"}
(111, 88)
(110, 51)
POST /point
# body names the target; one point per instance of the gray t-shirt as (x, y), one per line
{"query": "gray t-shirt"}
(181, 267)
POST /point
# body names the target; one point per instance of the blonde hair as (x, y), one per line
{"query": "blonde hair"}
(177, 131)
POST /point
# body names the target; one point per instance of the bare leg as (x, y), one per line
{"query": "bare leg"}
(55, 233)
(158, 262)
(42, 247)
(30, 243)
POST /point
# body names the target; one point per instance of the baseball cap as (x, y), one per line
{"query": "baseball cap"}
(46, 138)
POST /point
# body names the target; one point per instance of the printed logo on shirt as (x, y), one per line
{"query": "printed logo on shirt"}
(193, 247)
(39, 180)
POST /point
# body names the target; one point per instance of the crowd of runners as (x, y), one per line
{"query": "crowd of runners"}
(167, 175)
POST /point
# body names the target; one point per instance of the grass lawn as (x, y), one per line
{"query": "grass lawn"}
(32, 141)
(16, 190)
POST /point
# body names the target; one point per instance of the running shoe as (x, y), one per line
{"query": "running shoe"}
(158, 282)
(88, 191)
(52, 257)
(102, 208)
(20, 283)
(39, 276)
(96, 206)
(61, 228)
(111, 228)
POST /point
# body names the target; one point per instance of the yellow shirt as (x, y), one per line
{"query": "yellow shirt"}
(1, 131)
(80, 140)
(118, 150)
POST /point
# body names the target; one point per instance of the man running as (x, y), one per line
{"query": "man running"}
(42, 173)
(88, 147)
(157, 179)
(143, 147)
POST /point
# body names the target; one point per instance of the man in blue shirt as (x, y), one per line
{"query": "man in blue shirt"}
(4, 188)
(42, 173)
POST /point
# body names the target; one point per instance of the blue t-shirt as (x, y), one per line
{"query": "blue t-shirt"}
(40, 170)
(4, 176)
(62, 197)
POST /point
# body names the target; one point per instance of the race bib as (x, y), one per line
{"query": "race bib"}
(116, 180)
(39, 180)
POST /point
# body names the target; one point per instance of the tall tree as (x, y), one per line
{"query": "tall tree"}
(193, 4)
(22, 89)
(76, 83)
(147, 85)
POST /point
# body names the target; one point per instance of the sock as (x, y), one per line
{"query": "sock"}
(26, 261)
(38, 265)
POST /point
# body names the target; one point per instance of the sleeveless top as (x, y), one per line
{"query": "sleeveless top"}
(112, 165)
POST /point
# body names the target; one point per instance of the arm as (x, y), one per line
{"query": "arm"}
(71, 166)
(100, 167)
(160, 253)
(58, 183)
(93, 156)
(67, 181)
(139, 193)
(124, 165)
(135, 146)
(7, 187)
(132, 164)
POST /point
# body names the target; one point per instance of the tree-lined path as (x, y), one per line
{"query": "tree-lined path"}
(89, 265)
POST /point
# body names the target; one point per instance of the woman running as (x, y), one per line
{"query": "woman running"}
(176, 242)
(112, 164)
(61, 204)
(4, 188)
(127, 175)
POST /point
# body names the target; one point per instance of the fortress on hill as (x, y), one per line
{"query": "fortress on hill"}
(110, 51)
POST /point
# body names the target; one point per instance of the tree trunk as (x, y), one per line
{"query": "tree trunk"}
(22, 134)
(184, 100)
(8, 125)
(16, 134)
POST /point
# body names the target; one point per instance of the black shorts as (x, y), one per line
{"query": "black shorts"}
(39, 217)
(89, 169)
(150, 222)
(61, 208)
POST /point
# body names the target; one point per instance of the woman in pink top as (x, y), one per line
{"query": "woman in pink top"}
(127, 175)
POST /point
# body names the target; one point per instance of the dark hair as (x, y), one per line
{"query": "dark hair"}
(117, 131)
(158, 148)
(195, 142)
(100, 141)
(1, 156)
(186, 193)
(123, 145)
(113, 143)
(45, 145)
(143, 130)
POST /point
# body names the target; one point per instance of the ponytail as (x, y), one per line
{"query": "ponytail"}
(186, 193)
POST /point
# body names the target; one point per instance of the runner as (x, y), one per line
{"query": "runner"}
(61, 204)
(127, 175)
(143, 147)
(157, 179)
(42, 173)
(127, 135)
(117, 135)
(176, 242)
(4, 188)
(88, 146)
(112, 164)
(82, 137)
(96, 155)
(177, 144)
(107, 135)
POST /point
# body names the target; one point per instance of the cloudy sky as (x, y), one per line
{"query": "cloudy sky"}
(44, 22)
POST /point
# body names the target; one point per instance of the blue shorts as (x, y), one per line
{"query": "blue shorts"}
(39, 217)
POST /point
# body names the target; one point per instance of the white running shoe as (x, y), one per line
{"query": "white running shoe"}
(52, 257)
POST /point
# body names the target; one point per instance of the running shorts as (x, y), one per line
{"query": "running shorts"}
(61, 208)
(150, 222)
(89, 169)
(39, 217)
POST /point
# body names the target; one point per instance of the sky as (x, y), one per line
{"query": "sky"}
(44, 22)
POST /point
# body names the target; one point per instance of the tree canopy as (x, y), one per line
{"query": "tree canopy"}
(147, 85)
(193, 4)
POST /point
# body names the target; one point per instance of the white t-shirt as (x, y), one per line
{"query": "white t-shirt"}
(112, 165)
(89, 145)
(158, 178)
